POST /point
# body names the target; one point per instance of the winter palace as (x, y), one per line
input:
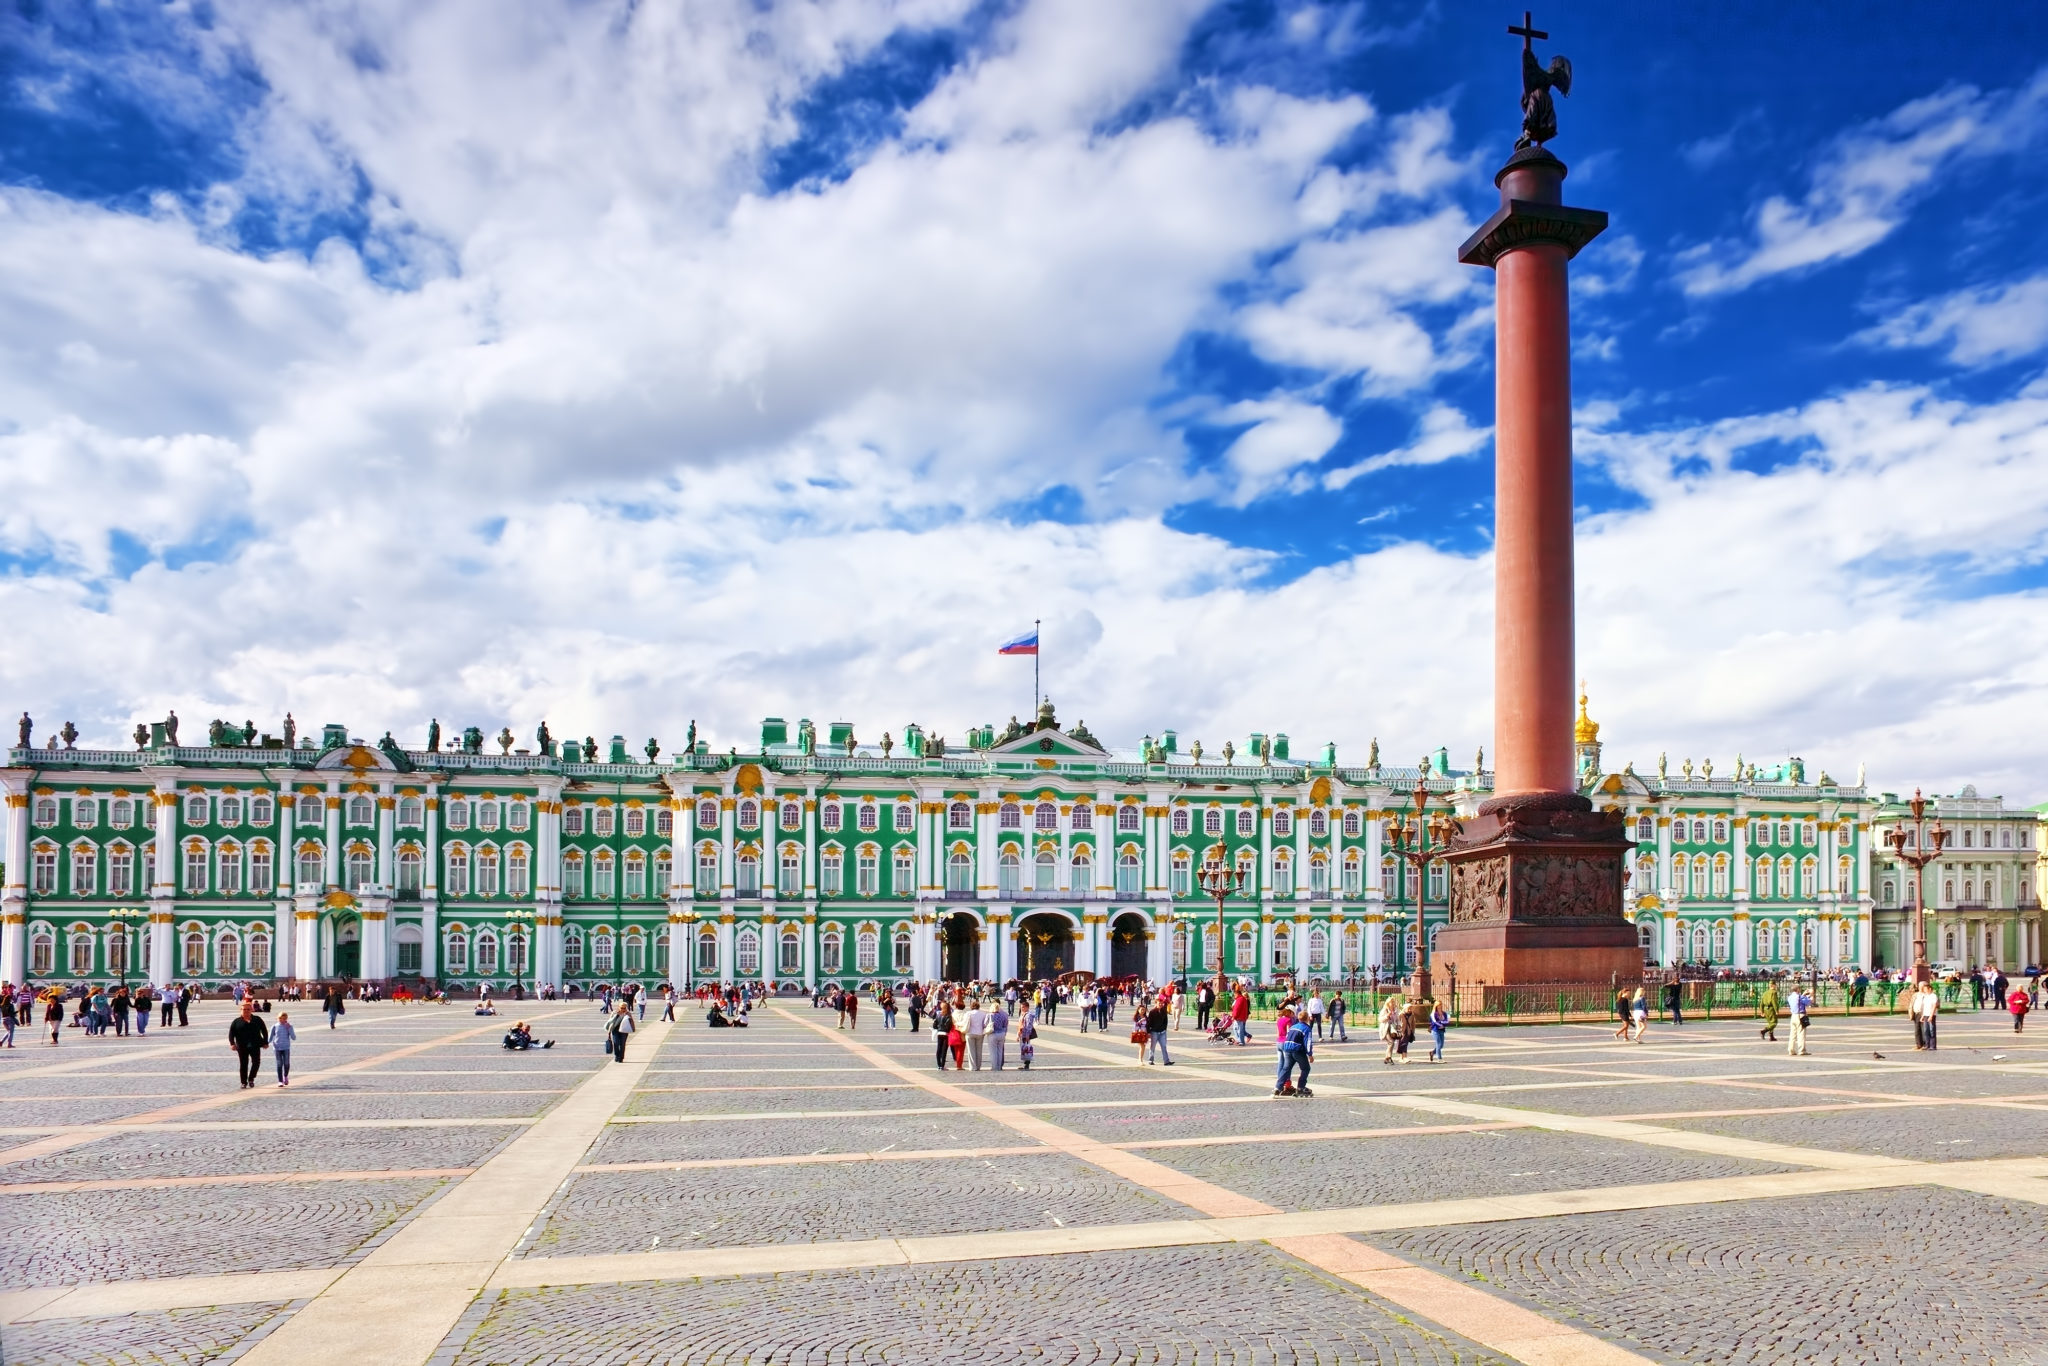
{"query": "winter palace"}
(806, 858)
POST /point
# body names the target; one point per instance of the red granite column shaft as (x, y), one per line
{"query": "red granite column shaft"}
(1532, 741)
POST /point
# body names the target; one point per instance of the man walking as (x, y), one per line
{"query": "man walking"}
(170, 1004)
(184, 1004)
(619, 1028)
(1155, 1031)
(331, 1003)
(1801, 1002)
(977, 1033)
(248, 1036)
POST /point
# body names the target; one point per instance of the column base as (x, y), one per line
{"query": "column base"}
(1536, 895)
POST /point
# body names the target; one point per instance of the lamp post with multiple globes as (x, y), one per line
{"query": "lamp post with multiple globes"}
(1419, 838)
(1220, 880)
(126, 916)
(1916, 846)
(519, 922)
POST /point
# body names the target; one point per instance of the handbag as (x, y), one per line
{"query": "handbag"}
(1139, 1036)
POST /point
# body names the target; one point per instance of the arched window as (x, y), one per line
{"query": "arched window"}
(1318, 823)
(1763, 942)
(707, 951)
(789, 959)
(46, 811)
(866, 949)
(748, 867)
(1351, 823)
(487, 870)
(1646, 828)
(1354, 942)
(486, 953)
(830, 951)
(1045, 871)
(1845, 940)
(1181, 821)
(959, 816)
(1212, 821)
(410, 812)
(1127, 817)
(518, 873)
(361, 811)
(1388, 945)
(1806, 939)
(1045, 816)
(1010, 817)
(1318, 949)
(310, 810)
(707, 814)
(1082, 817)
(1283, 822)
(1081, 874)
(195, 952)
(227, 954)
(603, 951)
(792, 816)
(868, 817)
(42, 951)
(900, 950)
(1246, 950)
(749, 814)
(1247, 821)
(636, 875)
(82, 951)
(1127, 875)
(1009, 872)
(1283, 947)
(455, 952)
(1785, 952)
(959, 871)
(1720, 949)
(196, 809)
(636, 952)
(1700, 951)
(636, 822)
(572, 953)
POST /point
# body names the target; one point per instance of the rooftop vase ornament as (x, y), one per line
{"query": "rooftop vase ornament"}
(70, 735)
(141, 736)
(505, 738)
(653, 749)
(1229, 752)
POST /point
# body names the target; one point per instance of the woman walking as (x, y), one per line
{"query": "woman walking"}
(618, 1029)
(1027, 1035)
(1439, 1021)
(53, 1014)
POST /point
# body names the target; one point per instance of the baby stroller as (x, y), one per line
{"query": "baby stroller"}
(1220, 1031)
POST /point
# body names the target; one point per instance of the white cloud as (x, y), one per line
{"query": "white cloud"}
(1443, 434)
(1977, 326)
(1866, 183)
(1286, 435)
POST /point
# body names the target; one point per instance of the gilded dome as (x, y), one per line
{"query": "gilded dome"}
(1585, 730)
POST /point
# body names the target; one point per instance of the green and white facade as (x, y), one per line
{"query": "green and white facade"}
(812, 858)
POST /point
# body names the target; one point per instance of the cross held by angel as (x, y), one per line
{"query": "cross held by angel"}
(1539, 114)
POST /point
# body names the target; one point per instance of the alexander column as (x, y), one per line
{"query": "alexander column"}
(1536, 876)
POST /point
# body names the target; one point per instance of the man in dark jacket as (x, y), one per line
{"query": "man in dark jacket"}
(248, 1036)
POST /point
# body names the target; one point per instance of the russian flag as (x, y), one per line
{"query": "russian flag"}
(1026, 644)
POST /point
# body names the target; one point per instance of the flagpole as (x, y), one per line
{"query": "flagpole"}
(1036, 693)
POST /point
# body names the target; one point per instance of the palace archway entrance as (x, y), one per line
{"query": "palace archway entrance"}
(348, 947)
(1127, 945)
(960, 947)
(1045, 947)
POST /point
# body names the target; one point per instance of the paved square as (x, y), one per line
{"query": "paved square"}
(802, 1193)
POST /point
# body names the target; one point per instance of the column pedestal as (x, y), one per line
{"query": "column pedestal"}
(1536, 895)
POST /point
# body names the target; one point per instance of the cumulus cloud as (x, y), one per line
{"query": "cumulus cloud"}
(1443, 434)
(1866, 182)
(1982, 326)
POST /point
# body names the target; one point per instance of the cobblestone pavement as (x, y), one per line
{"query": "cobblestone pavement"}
(1239, 1305)
(176, 1337)
(1737, 1270)
(1894, 1277)
(619, 1212)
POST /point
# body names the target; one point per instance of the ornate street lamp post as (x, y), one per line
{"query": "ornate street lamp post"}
(1916, 851)
(125, 916)
(520, 920)
(1421, 839)
(1220, 880)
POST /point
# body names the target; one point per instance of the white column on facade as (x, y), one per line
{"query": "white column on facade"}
(1264, 873)
(331, 875)
(284, 942)
(387, 836)
(14, 898)
(1674, 950)
(810, 852)
(1743, 935)
(430, 878)
(1063, 874)
(163, 891)
(679, 946)
(1301, 847)
(810, 946)
(985, 843)
(1264, 967)
(726, 818)
(1665, 891)
(726, 928)
(547, 884)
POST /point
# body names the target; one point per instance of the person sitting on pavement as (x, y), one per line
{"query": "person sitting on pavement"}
(520, 1038)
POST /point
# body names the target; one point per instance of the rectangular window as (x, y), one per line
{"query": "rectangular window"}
(868, 874)
(1352, 884)
(195, 870)
(408, 959)
(636, 880)
(230, 872)
(1183, 878)
(120, 872)
(456, 883)
(311, 874)
(662, 870)
(572, 878)
(789, 875)
(572, 820)
(84, 872)
(260, 874)
(486, 872)
(831, 873)
(902, 878)
(518, 882)
(707, 873)
(603, 883)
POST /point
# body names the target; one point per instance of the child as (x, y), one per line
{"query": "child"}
(281, 1036)
(1026, 1033)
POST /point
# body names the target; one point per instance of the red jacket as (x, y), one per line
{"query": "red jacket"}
(2017, 1003)
(1240, 1007)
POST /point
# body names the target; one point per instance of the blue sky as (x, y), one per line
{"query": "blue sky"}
(632, 364)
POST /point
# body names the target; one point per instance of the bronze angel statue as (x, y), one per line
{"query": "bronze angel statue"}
(1539, 115)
